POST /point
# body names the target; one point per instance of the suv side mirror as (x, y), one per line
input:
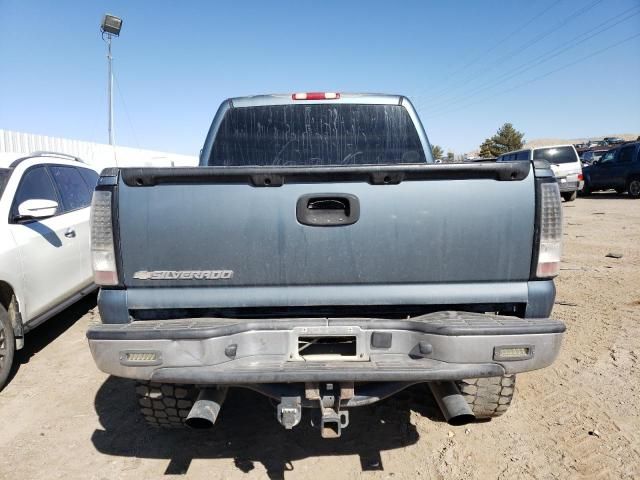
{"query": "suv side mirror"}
(37, 208)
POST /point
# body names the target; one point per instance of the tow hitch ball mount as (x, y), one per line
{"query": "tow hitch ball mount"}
(328, 397)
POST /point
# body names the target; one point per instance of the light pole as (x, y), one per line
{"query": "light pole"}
(110, 28)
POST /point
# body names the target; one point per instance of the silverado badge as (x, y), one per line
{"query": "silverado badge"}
(184, 275)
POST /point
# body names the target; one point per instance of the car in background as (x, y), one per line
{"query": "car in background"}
(45, 262)
(564, 161)
(587, 157)
(618, 169)
(613, 140)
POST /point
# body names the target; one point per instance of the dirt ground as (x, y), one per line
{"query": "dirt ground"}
(62, 418)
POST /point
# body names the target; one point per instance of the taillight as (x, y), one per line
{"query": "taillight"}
(102, 248)
(316, 96)
(580, 177)
(550, 230)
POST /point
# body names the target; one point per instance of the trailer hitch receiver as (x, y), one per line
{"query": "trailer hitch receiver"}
(329, 397)
(332, 422)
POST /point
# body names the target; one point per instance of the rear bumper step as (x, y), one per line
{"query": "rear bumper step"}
(434, 347)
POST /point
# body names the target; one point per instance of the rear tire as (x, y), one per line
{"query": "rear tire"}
(569, 196)
(488, 397)
(165, 405)
(7, 346)
(633, 187)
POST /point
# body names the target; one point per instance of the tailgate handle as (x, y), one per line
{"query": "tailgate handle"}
(329, 204)
(328, 209)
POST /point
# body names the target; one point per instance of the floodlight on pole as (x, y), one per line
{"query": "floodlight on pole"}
(110, 28)
(111, 25)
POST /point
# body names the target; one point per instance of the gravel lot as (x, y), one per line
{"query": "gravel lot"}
(62, 418)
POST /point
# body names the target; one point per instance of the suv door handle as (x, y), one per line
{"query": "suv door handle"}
(70, 233)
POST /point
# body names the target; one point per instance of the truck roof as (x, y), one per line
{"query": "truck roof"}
(289, 98)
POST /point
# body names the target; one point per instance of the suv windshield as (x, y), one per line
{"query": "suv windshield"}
(4, 177)
(556, 155)
(598, 155)
(322, 134)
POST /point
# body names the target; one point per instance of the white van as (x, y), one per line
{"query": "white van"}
(564, 161)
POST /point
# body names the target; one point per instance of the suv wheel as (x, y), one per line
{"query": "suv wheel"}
(165, 405)
(569, 196)
(488, 397)
(7, 346)
(634, 188)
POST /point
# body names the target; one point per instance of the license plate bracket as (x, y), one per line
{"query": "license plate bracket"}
(321, 344)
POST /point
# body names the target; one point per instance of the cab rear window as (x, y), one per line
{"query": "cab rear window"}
(556, 155)
(316, 135)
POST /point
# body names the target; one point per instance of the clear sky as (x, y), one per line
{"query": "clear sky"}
(469, 66)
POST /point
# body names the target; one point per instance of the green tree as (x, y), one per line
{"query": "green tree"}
(505, 140)
(450, 157)
(437, 151)
(485, 149)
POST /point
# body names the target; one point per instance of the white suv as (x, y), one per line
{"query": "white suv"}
(565, 164)
(45, 262)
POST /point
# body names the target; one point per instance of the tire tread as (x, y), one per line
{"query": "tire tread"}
(490, 396)
(165, 405)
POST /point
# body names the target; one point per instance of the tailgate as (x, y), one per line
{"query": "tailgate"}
(218, 227)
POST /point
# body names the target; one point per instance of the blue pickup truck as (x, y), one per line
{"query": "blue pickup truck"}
(319, 256)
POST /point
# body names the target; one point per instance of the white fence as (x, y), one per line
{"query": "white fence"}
(98, 155)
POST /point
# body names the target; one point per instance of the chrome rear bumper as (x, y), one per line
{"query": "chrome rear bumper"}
(439, 346)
